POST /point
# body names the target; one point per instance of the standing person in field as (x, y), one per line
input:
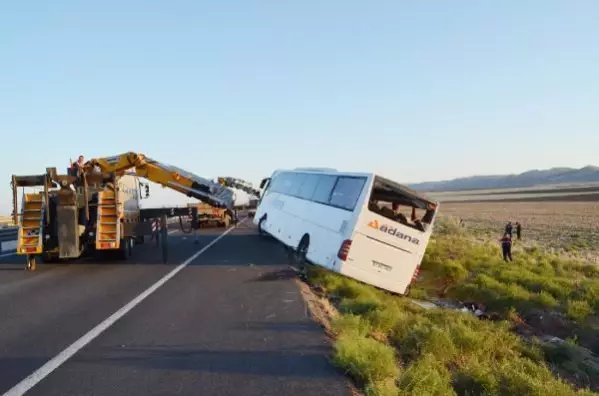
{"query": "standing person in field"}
(518, 230)
(509, 228)
(506, 246)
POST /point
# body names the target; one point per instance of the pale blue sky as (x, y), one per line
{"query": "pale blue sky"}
(415, 90)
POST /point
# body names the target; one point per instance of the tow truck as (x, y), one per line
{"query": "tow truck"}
(96, 209)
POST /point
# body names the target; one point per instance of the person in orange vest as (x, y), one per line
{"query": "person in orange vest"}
(506, 247)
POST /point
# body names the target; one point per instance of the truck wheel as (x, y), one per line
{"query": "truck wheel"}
(130, 243)
(50, 258)
(125, 249)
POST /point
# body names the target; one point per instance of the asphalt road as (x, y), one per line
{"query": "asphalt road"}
(229, 323)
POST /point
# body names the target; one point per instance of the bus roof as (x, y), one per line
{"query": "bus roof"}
(388, 183)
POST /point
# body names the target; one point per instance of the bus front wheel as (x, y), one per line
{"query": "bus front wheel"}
(301, 253)
(261, 230)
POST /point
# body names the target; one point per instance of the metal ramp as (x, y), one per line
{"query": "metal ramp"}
(31, 225)
(108, 227)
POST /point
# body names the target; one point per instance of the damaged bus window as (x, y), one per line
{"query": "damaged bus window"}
(400, 204)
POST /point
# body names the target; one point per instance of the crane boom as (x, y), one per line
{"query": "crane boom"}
(167, 175)
(239, 184)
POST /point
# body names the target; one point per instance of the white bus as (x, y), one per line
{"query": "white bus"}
(360, 225)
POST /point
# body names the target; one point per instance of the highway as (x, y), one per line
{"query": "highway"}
(230, 322)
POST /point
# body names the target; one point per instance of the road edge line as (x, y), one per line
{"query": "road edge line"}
(47, 368)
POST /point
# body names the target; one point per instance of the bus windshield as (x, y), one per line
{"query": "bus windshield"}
(401, 204)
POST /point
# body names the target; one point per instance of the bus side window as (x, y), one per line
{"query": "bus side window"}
(308, 186)
(296, 186)
(287, 182)
(276, 183)
(347, 191)
(324, 188)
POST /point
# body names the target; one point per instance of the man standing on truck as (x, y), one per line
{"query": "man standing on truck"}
(76, 166)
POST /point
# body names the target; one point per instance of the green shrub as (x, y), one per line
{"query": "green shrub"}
(351, 324)
(426, 376)
(369, 361)
(578, 309)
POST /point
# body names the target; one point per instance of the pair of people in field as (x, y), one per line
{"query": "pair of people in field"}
(509, 228)
(506, 241)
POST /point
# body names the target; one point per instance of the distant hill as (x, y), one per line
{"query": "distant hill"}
(526, 179)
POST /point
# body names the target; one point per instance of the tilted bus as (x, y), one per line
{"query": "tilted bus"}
(361, 225)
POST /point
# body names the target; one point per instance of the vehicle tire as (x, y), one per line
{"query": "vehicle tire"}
(130, 243)
(48, 258)
(301, 253)
(261, 230)
(124, 250)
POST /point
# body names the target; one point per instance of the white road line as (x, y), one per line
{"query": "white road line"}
(51, 365)
(8, 254)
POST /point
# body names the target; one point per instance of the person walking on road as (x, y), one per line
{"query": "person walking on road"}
(506, 247)
(518, 230)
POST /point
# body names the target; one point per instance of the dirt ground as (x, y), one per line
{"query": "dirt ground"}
(571, 227)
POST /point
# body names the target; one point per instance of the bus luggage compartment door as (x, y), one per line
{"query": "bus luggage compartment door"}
(379, 263)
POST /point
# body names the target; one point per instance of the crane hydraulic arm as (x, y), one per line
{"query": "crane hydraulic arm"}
(239, 184)
(167, 175)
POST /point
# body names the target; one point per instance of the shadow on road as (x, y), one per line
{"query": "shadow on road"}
(12, 267)
(308, 362)
(283, 274)
(282, 327)
(245, 249)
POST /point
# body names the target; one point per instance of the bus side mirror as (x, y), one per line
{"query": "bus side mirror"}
(263, 182)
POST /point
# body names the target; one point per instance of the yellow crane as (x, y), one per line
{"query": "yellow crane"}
(96, 207)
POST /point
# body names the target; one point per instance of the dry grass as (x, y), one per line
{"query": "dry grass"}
(570, 227)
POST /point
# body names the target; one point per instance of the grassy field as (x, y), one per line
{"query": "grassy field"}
(542, 336)
(560, 218)
(569, 227)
